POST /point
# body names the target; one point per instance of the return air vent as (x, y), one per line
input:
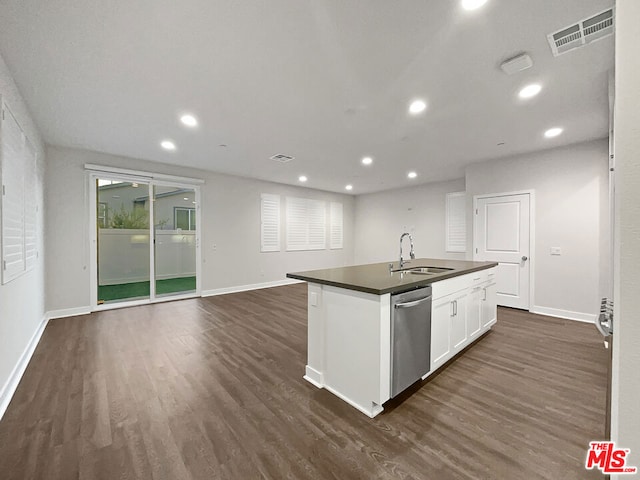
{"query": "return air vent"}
(582, 33)
(281, 158)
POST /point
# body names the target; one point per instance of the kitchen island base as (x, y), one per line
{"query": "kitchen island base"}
(349, 332)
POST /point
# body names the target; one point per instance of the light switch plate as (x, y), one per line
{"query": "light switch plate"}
(313, 299)
(556, 251)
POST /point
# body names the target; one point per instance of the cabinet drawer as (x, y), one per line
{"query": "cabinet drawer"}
(455, 284)
(483, 276)
(451, 285)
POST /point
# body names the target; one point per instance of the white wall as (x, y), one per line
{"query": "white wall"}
(22, 300)
(571, 212)
(382, 217)
(230, 220)
(626, 349)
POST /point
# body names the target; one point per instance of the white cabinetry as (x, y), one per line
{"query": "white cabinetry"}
(459, 320)
(474, 310)
(441, 311)
(488, 307)
(463, 308)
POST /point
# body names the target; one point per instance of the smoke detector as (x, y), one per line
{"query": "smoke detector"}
(582, 33)
(281, 158)
(516, 64)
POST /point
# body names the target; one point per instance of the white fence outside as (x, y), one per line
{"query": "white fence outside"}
(124, 255)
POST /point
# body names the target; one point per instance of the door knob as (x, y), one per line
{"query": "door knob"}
(525, 258)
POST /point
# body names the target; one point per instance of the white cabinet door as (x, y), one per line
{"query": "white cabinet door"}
(459, 320)
(488, 311)
(474, 307)
(441, 312)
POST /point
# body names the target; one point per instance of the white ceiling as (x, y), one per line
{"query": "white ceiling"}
(325, 81)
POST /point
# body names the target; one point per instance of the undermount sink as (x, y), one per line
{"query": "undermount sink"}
(424, 270)
(428, 270)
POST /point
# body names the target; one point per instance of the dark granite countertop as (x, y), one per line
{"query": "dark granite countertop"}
(375, 277)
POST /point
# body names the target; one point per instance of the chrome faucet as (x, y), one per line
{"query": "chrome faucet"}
(411, 254)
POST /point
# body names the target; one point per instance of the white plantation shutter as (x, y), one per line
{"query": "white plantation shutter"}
(30, 207)
(336, 233)
(297, 238)
(306, 224)
(456, 228)
(12, 145)
(270, 223)
(317, 222)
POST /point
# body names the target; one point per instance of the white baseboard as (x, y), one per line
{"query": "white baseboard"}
(369, 411)
(314, 377)
(68, 312)
(568, 314)
(253, 286)
(10, 386)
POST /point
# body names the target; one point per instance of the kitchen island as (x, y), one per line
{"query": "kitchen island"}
(350, 322)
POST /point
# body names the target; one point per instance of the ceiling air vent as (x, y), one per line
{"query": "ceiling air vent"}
(281, 158)
(584, 32)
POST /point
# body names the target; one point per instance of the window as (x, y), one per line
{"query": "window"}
(306, 224)
(102, 215)
(456, 228)
(19, 206)
(269, 223)
(184, 218)
(336, 234)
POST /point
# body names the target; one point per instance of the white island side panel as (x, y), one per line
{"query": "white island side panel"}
(349, 345)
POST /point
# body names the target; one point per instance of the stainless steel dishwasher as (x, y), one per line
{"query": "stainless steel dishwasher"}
(410, 338)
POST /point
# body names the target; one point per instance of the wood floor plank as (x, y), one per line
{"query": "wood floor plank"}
(212, 388)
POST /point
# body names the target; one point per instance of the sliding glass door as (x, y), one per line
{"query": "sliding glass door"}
(175, 240)
(146, 240)
(123, 240)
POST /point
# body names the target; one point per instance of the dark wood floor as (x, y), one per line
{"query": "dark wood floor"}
(212, 389)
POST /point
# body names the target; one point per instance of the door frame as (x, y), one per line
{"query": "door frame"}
(532, 236)
(93, 173)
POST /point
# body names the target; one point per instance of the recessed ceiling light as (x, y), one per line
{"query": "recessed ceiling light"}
(186, 198)
(553, 132)
(367, 161)
(417, 106)
(349, 187)
(302, 178)
(412, 174)
(472, 4)
(189, 120)
(168, 145)
(530, 91)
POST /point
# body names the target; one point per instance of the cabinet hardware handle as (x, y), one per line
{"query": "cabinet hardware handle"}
(484, 291)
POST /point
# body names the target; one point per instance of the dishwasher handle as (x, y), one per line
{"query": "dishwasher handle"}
(412, 304)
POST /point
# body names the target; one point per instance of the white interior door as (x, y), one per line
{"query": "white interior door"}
(502, 235)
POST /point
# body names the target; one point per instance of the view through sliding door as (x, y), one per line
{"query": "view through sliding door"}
(123, 240)
(175, 240)
(146, 240)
